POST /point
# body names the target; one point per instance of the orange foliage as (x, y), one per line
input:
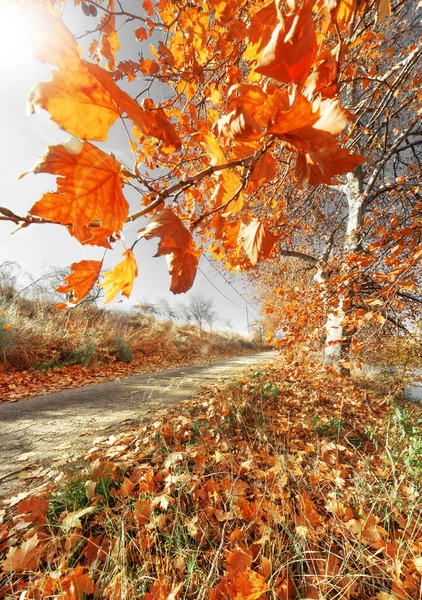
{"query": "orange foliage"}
(251, 115)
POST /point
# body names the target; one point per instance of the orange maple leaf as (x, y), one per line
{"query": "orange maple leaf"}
(257, 240)
(89, 198)
(177, 244)
(292, 48)
(288, 118)
(321, 167)
(242, 581)
(76, 585)
(121, 278)
(169, 228)
(182, 268)
(83, 98)
(82, 280)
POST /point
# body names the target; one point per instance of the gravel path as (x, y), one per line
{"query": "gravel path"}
(39, 434)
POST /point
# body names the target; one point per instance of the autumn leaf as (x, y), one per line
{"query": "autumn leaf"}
(257, 240)
(148, 66)
(77, 584)
(246, 584)
(265, 170)
(242, 581)
(72, 520)
(82, 280)
(83, 98)
(177, 244)
(141, 34)
(121, 278)
(182, 268)
(126, 488)
(324, 74)
(300, 114)
(159, 591)
(226, 192)
(211, 147)
(142, 511)
(261, 27)
(292, 47)
(33, 509)
(110, 43)
(24, 558)
(320, 167)
(89, 198)
(170, 229)
(148, 6)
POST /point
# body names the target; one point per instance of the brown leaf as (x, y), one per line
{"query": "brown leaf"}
(33, 510)
(177, 245)
(182, 268)
(76, 585)
(167, 226)
(24, 558)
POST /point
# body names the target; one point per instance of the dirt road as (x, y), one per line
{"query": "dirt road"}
(39, 434)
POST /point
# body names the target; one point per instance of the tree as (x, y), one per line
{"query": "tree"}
(201, 311)
(255, 149)
(366, 258)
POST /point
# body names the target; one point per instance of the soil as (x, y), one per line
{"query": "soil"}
(39, 435)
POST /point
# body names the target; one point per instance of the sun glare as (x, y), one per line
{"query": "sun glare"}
(15, 39)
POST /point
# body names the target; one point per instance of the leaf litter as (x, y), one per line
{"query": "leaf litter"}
(284, 484)
(17, 385)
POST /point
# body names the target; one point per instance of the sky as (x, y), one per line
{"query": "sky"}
(24, 138)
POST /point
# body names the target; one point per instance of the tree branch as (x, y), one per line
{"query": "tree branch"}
(296, 254)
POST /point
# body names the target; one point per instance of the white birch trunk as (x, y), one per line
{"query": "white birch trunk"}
(335, 341)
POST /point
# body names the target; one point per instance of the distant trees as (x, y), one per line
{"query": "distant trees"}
(198, 310)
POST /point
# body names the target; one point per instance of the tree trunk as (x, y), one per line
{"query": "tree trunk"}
(337, 343)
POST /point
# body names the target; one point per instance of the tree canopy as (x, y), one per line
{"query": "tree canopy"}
(259, 130)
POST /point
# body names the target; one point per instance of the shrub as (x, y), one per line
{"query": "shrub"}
(122, 350)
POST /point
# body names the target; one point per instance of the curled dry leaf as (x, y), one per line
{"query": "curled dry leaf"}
(177, 244)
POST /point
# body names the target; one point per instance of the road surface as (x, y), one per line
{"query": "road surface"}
(39, 434)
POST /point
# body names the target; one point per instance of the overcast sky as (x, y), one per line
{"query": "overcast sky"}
(24, 138)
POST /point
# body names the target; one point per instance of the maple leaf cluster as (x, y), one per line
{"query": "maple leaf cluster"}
(249, 85)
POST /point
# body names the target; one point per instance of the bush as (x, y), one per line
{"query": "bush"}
(122, 350)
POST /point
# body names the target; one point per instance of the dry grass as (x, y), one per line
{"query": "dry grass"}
(34, 335)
